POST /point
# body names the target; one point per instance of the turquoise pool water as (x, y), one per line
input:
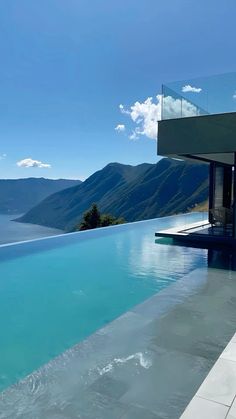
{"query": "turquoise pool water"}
(55, 292)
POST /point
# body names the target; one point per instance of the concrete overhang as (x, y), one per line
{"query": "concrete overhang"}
(207, 137)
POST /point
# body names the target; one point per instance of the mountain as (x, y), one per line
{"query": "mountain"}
(133, 192)
(19, 195)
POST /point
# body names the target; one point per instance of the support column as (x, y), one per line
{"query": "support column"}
(227, 187)
(234, 198)
(211, 191)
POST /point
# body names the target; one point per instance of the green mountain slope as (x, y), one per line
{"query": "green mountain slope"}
(19, 195)
(133, 192)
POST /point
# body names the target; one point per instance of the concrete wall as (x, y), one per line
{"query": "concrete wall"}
(197, 135)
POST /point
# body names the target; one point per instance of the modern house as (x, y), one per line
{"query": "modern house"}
(199, 123)
(108, 323)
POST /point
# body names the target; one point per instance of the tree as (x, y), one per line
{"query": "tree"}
(91, 219)
(108, 220)
(94, 219)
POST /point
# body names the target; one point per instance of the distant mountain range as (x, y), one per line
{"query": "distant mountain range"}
(19, 195)
(133, 192)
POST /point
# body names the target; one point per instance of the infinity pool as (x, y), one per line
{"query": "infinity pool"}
(55, 292)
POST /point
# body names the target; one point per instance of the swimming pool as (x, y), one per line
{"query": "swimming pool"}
(55, 292)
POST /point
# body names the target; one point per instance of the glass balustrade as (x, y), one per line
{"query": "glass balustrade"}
(201, 96)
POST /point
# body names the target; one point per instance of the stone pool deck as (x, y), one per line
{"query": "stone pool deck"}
(147, 364)
(216, 397)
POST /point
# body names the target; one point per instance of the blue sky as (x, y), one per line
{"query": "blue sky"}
(66, 66)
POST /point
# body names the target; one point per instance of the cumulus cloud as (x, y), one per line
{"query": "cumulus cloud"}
(134, 136)
(176, 108)
(120, 127)
(123, 110)
(234, 95)
(146, 114)
(188, 88)
(32, 163)
(3, 156)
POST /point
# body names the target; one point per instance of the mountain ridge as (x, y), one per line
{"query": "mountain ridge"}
(20, 195)
(132, 192)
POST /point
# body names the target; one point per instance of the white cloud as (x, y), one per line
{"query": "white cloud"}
(3, 156)
(146, 114)
(188, 88)
(123, 110)
(234, 95)
(120, 127)
(134, 136)
(177, 108)
(32, 163)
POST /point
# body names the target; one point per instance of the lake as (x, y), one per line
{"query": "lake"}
(11, 231)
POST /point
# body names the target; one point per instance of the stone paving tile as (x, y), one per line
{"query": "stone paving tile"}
(229, 352)
(54, 413)
(220, 384)
(206, 408)
(92, 405)
(200, 408)
(128, 322)
(135, 412)
(232, 411)
(170, 297)
(233, 340)
(186, 333)
(194, 326)
(155, 387)
(109, 386)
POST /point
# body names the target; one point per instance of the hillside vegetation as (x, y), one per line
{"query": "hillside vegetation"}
(132, 192)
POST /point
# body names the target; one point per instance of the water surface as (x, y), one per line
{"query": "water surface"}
(11, 231)
(56, 292)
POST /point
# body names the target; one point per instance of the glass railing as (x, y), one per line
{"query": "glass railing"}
(202, 96)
